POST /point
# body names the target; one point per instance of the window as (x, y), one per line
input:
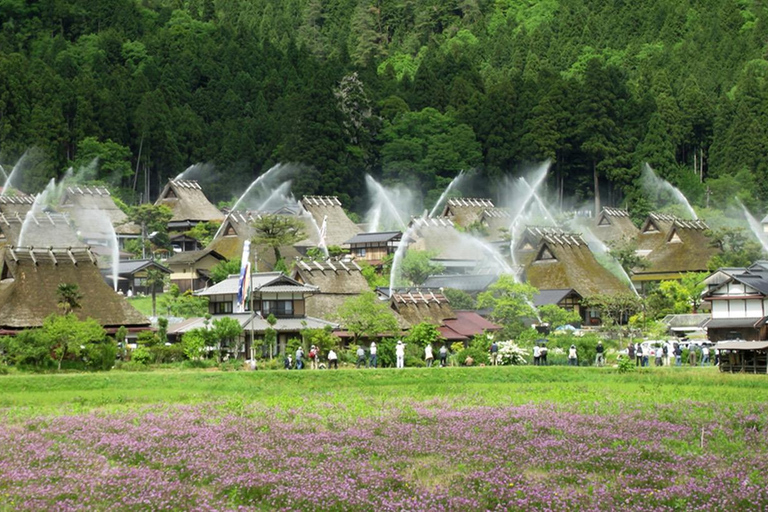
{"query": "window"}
(361, 251)
(220, 308)
(277, 307)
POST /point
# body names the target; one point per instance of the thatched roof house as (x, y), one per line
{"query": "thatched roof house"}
(339, 227)
(188, 203)
(191, 270)
(337, 281)
(613, 225)
(464, 211)
(238, 227)
(438, 235)
(553, 259)
(44, 229)
(415, 307)
(29, 281)
(86, 207)
(16, 205)
(496, 222)
(672, 247)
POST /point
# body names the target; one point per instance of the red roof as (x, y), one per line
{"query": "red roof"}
(465, 325)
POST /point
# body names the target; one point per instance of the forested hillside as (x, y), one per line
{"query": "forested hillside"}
(407, 90)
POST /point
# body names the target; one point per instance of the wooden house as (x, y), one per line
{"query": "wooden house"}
(672, 247)
(613, 225)
(464, 326)
(192, 270)
(132, 276)
(275, 294)
(465, 211)
(738, 356)
(339, 227)
(374, 247)
(29, 281)
(87, 207)
(336, 282)
(189, 205)
(561, 264)
(739, 306)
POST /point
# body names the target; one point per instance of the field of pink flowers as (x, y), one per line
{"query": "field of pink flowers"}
(415, 455)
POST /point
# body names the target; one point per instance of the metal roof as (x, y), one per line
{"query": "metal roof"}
(741, 345)
(367, 238)
(464, 282)
(545, 297)
(260, 281)
(724, 323)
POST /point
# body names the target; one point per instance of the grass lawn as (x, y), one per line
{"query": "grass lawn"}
(143, 304)
(552, 438)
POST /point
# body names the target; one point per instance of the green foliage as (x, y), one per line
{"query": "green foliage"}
(141, 355)
(366, 315)
(204, 232)
(193, 343)
(323, 339)
(626, 365)
(184, 305)
(277, 231)
(114, 160)
(459, 299)
(556, 316)
(227, 333)
(510, 302)
(372, 276)
(423, 333)
(625, 252)
(739, 249)
(417, 266)
(224, 269)
(69, 297)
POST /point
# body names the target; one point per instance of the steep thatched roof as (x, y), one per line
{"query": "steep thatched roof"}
(238, 227)
(496, 221)
(416, 307)
(43, 230)
(18, 204)
(464, 211)
(29, 285)
(187, 201)
(673, 246)
(614, 224)
(86, 204)
(554, 260)
(337, 280)
(339, 228)
(438, 235)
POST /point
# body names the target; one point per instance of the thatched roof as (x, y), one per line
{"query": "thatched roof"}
(192, 257)
(614, 224)
(86, 204)
(464, 211)
(238, 227)
(30, 280)
(187, 201)
(438, 235)
(43, 230)
(339, 228)
(673, 246)
(496, 221)
(555, 260)
(17, 204)
(337, 280)
(416, 307)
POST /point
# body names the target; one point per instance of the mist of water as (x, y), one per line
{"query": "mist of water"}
(390, 206)
(20, 163)
(399, 254)
(195, 171)
(661, 187)
(604, 257)
(755, 227)
(455, 182)
(274, 173)
(41, 200)
(279, 197)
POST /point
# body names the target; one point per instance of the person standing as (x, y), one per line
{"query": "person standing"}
(400, 354)
(600, 354)
(333, 359)
(494, 354)
(536, 354)
(705, 356)
(360, 356)
(692, 355)
(313, 357)
(443, 356)
(428, 357)
(373, 351)
(659, 356)
(299, 358)
(631, 351)
(666, 349)
(678, 355)
(639, 355)
(543, 356)
(572, 357)
(288, 362)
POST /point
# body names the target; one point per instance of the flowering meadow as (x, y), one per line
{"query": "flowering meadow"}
(237, 452)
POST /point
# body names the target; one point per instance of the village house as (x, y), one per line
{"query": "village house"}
(132, 276)
(455, 251)
(564, 270)
(671, 248)
(739, 306)
(274, 293)
(192, 270)
(614, 225)
(328, 210)
(466, 211)
(495, 223)
(92, 209)
(336, 281)
(374, 247)
(189, 205)
(29, 281)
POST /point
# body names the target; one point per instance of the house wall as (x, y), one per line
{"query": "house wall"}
(227, 303)
(735, 307)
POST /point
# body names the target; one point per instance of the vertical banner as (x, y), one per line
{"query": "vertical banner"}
(244, 284)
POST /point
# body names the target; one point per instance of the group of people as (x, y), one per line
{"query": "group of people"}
(364, 360)
(662, 354)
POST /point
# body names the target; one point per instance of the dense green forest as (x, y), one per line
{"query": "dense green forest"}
(408, 90)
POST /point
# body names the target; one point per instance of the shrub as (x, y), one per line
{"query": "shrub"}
(100, 356)
(511, 353)
(167, 353)
(141, 355)
(626, 364)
